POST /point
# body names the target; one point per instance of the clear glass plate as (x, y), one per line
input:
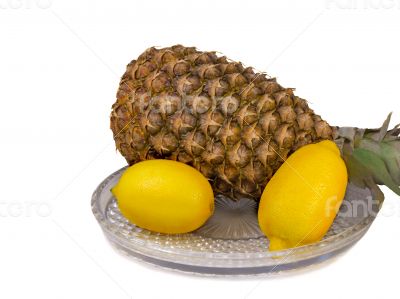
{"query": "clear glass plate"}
(230, 243)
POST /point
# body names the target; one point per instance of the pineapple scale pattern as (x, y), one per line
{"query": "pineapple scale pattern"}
(234, 125)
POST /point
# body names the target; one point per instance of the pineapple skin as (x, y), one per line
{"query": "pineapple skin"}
(233, 125)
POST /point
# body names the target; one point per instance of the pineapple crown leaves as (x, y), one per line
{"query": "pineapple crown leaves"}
(372, 156)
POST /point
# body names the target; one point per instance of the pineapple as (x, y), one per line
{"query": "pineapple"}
(233, 125)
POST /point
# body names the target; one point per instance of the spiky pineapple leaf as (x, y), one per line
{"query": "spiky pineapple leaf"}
(372, 156)
(384, 129)
(392, 160)
(379, 134)
(389, 152)
(375, 167)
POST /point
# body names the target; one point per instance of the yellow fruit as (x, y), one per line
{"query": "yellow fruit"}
(164, 196)
(301, 200)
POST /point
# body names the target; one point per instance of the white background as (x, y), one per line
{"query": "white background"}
(60, 64)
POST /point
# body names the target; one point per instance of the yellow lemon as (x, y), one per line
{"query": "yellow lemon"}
(301, 200)
(164, 196)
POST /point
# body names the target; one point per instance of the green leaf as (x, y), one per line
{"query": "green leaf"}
(379, 134)
(376, 167)
(391, 156)
(385, 126)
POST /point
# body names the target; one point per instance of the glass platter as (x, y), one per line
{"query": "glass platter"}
(230, 243)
